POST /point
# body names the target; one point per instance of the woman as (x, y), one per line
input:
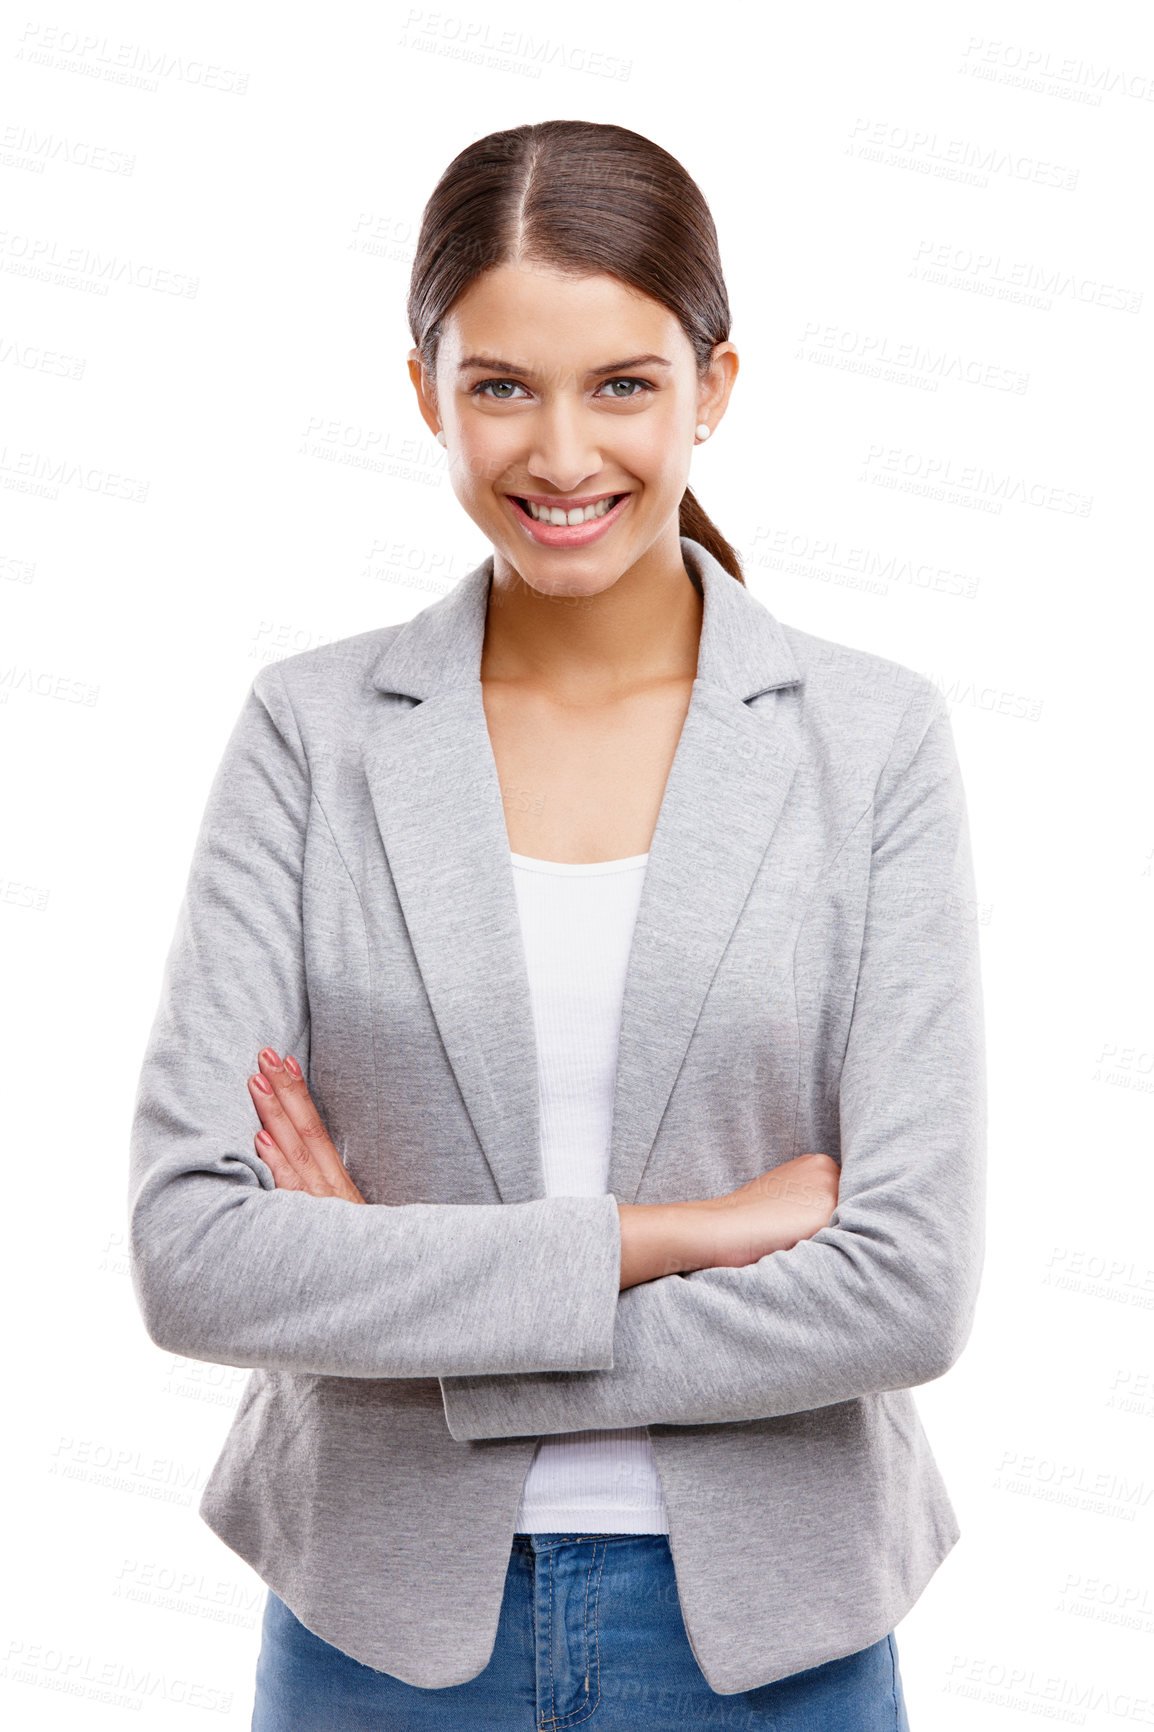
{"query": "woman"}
(581, 911)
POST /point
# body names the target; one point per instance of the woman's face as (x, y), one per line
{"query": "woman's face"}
(565, 392)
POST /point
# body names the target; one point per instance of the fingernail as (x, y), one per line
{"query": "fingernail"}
(293, 1067)
(270, 1058)
(262, 1083)
(263, 1137)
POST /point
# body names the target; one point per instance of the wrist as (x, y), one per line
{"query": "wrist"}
(659, 1239)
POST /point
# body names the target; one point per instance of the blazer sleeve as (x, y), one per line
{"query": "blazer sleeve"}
(228, 1268)
(883, 1297)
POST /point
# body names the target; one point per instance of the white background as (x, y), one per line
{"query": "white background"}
(210, 457)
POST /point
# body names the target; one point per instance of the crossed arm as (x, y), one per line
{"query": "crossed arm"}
(875, 1290)
(578, 1313)
(772, 1212)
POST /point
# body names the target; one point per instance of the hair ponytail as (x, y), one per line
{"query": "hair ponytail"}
(699, 526)
(587, 198)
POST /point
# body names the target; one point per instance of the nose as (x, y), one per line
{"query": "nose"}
(564, 445)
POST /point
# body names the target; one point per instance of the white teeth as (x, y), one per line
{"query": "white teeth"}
(551, 514)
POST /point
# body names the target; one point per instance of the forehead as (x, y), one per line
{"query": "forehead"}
(523, 312)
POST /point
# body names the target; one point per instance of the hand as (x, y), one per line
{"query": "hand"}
(292, 1142)
(772, 1212)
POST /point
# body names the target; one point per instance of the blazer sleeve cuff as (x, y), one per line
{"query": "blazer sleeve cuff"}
(589, 1322)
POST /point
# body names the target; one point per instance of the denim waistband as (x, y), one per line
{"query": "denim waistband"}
(542, 1541)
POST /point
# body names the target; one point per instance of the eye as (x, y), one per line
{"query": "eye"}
(621, 398)
(502, 385)
(499, 390)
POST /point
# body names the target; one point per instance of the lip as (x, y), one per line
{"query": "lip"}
(565, 534)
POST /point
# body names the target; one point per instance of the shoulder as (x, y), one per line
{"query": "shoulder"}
(841, 676)
(866, 719)
(860, 698)
(324, 702)
(329, 685)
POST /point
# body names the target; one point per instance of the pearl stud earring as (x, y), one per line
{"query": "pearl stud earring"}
(703, 429)
(440, 437)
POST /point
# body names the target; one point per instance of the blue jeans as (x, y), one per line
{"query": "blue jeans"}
(590, 1631)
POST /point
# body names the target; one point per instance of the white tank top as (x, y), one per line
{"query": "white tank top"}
(577, 924)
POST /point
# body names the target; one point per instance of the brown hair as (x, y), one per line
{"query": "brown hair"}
(579, 197)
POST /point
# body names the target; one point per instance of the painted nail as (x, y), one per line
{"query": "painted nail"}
(263, 1137)
(293, 1067)
(262, 1083)
(270, 1058)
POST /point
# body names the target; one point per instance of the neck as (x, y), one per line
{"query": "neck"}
(642, 628)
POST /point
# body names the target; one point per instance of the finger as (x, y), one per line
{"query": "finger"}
(293, 1094)
(281, 1168)
(275, 1120)
(287, 1177)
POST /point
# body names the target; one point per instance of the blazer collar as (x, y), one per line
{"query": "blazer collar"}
(433, 782)
(742, 648)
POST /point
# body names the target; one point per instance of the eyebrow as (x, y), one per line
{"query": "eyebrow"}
(498, 366)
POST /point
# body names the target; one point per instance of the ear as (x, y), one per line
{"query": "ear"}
(715, 387)
(425, 387)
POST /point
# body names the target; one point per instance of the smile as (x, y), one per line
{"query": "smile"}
(553, 526)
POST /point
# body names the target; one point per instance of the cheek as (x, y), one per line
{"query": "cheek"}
(480, 454)
(651, 447)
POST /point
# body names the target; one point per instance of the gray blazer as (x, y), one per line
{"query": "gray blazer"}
(804, 976)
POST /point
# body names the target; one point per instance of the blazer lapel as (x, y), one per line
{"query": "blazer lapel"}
(435, 791)
(723, 798)
(437, 798)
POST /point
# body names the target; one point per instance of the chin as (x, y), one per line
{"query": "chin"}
(565, 581)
